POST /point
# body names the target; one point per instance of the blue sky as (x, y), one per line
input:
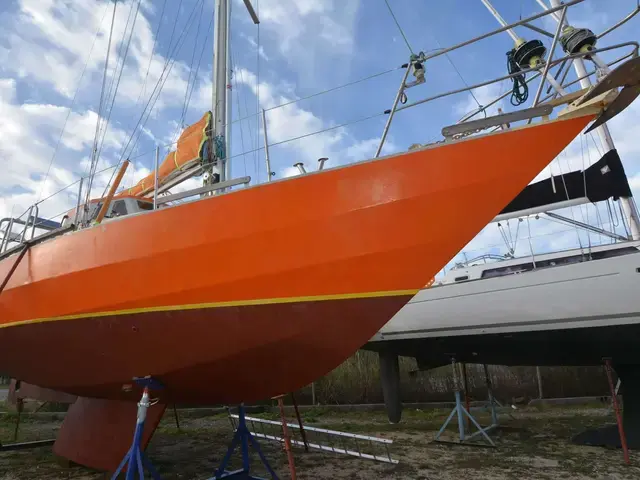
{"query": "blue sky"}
(306, 46)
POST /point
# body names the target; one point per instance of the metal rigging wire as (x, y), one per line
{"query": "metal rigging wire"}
(255, 155)
(153, 51)
(191, 86)
(334, 127)
(117, 83)
(193, 59)
(235, 86)
(399, 27)
(94, 160)
(112, 80)
(158, 88)
(328, 90)
(204, 45)
(246, 112)
(70, 108)
(168, 68)
(458, 72)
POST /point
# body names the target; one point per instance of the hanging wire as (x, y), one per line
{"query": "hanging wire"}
(623, 217)
(153, 51)
(204, 48)
(615, 222)
(600, 152)
(168, 65)
(154, 96)
(94, 161)
(193, 59)
(234, 82)
(322, 92)
(117, 84)
(480, 107)
(533, 258)
(191, 86)
(246, 113)
(399, 27)
(258, 45)
(70, 107)
(123, 41)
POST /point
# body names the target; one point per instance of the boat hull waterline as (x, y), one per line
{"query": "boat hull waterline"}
(257, 292)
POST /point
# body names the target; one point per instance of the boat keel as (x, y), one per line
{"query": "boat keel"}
(97, 433)
(390, 379)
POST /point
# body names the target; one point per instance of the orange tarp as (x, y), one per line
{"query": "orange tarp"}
(188, 148)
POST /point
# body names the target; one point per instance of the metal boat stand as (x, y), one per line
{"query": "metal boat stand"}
(15, 445)
(616, 407)
(135, 459)
(243, 437)
(460, 411)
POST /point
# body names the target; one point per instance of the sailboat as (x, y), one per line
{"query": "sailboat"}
(185, 293)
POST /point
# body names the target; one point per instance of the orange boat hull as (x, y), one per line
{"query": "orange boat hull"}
(257, 292)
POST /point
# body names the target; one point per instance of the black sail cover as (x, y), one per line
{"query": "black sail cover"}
(604, 179)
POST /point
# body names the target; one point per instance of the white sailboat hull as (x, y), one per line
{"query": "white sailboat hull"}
(558, 315)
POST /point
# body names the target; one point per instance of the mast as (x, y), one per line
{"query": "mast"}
(229, 99)
(627, 203)
(219, 84)
(221, 94)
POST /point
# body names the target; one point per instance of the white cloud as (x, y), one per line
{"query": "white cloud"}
(29, 134)
(292, 121)
(254, 44)
(311, 35)
(53, 48)
(484, 95)
(293, 20)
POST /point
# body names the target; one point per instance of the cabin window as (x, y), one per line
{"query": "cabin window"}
(145, 205)
(556, 262)
(461, 279)
(119, 208)
(94, 209)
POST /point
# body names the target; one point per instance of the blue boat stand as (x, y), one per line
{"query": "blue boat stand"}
(460, 411)
(243, 437)
(135, 459)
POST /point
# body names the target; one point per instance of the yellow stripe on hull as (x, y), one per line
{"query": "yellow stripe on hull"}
(199, 306)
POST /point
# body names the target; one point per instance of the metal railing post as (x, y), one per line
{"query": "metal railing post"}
(7, 236)
(155, 179)
(393, 110)
(547, 64)
(77, 215)
(266, 145)
(26, 225)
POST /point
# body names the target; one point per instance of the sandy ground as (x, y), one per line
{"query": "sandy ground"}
(533, 443)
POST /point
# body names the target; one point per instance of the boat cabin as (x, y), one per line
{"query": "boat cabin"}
(120, 206)
(491, 266)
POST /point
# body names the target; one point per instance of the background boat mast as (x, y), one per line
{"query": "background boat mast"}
(627, 203)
